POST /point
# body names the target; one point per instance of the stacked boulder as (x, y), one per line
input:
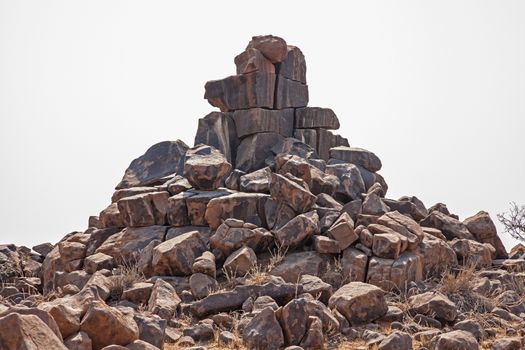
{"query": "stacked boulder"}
(269, 216)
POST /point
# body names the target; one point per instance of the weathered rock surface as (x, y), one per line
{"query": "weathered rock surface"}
(206, 167)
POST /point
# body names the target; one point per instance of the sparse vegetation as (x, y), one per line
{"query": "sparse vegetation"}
(514, 221)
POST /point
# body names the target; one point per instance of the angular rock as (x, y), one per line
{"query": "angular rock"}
(298, 198)
(233, 300)
(151, 329)
(507, 344)
(218, 130)
(202, 285)
(43, 249)
(473, 253)
(27, 332)
(177, 255)
(132, 191)
(264, 331)
(146, 209)
(315, 286)
(315, 117)
(325, 245)
(433, 304)
(163, 300)
(484, 230)
(455, 340)
(342, 230)
(198, 203)
(258, 120)
(227, 239)
(255, 151)
(98, 261)
(252, 60)
(437, 255)
(307, 136)
(111, 217)
(472, 327)
(177, 185)
(240, 262)
(354, 264)
(373, 205)
(106, 326)
(396, 341)
(206, 167)
(314, 338)
(298, 229)
(205, 264)
(242, 206)
(139, 293)
(386, 245)
(290, 93)
(257, 181)
(357, 156)
(294, 321)
(177, 212)
(78, 341)
(449, 226)
(45, 316)
(405, 226)
(392, 274)
(242, 91)
(295, 265)
(351, 183)
(160, 160)
(359, 302)
(272, 47)
(294, 65)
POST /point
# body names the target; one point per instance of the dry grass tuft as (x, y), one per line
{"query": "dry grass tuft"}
(124, 276)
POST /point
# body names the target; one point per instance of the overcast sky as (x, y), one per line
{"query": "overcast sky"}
(435, 88)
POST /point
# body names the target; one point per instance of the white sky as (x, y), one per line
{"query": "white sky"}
(435, 88)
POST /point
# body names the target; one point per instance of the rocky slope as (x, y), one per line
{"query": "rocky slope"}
(271, 232)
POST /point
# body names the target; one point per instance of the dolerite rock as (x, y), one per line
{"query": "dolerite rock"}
(294, 321)
(484, 230)
(437, 255)
(176, 256)
(359, 302)
(106, 325)
(290, 93)
(27, 332)
(240, 262)
(242, 91)
(433, 304)
(264, 331)
(342, 230)
(247, 207)
(351, 183)
(390, 274)
(294, 65)
(455, 340)
(357, 156)
(298, 230)
(295, 196)
(45, 316)
(252, 60)
(206, 167)
(254, 151)
(163, 300)
(315, 117)
(473, 253)
(234, 234)
(295, 265)
(160, 160)
(354, 263)
(257, 181)
(272, 47)
(79, 341)
(451, 227)
(218, 130)
(257, 120)
(146, 209)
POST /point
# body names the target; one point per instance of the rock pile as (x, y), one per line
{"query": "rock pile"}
(270, 232)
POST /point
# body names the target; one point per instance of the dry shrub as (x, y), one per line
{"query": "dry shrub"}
(124, 276)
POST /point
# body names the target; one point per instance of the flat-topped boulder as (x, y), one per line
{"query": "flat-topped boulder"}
(316, 117)
(206, 168)
(357, 156)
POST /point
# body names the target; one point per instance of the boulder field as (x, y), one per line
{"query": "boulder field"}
(271, 232)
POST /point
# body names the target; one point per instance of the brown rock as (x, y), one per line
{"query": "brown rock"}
(78, 341)
(252, 60)
(433, 304)
(205, 264)
(257, 120)
(227, 239)
(325, 245)
(473, 253)
(449, 226)
(177, 255)
(297, 197)
(392, 274)
(139, 292)
(206, 167)
(294, 65)
(295, 265)
(455, 340)
(357, 156)
(298, 229)
(177, 213)
(294, 321)
(160, 160)
(342, 230)
(130, 192)
(163, 300)
(507, 344)
(315, 117)
(177, 185)
(307, 136)
(314, 338)
(43, 249)
(386, 245)
(111, 217)
(405, 226)
(290, 93)
(484, 230)
(66, 316)
(98, 261)
(264, 331)
(198, 203)
(45, 316)
(359, 302)
(218, 130)
(354, 265)
(106, 325)
(242, 206)
(272, 47)
(437, 255)
(202, 285)
(373, 205)
(315, 286)
(396, 341)
(27, 332)
(257, 181)
(240, 262)
(127, 244)
(242, 91)
(351, 183)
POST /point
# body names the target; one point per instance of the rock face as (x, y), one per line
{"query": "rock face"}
(249, 233)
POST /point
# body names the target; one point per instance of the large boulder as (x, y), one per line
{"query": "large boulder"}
(242, 91)
(357, 156)
(240, 262)
(433, 304)
(455, 340)
(298, 229)
(206, 167)
(234, 234)
(470, 252)
(243, 206)
(295, 265)
(252, 60)
(272, 47)
(163, 300)
(449, 226)
(283, 190)
(160, 160)
(146, 209)
(359, 303)
(351, 184)
(437, 255)
(106, 325)
(256, 120)
(315, 117)
(264, 331)
(176, 256)
(484, 230)
(255, 151)
(218, 130)
(290, 93)
(391, 274)
(27, 332)
(294, 65)
(354, 263)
